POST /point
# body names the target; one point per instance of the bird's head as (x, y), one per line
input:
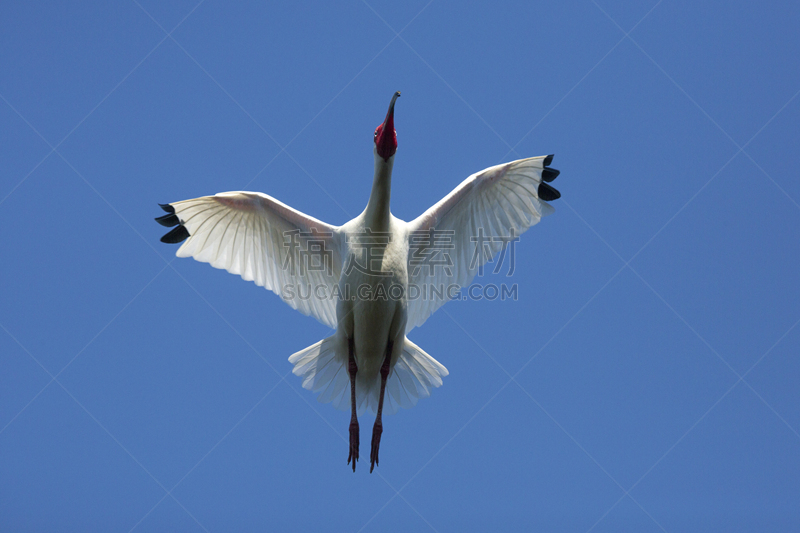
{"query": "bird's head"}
(385, 136)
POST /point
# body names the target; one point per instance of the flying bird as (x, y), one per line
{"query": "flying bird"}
(364, 278)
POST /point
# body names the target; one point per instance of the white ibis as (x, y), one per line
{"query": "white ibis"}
(361, 278)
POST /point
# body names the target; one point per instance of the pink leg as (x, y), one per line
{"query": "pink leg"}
(352, 369)
(377, 429)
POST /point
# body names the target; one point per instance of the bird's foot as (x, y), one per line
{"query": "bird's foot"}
(377, 429)
(353, 444)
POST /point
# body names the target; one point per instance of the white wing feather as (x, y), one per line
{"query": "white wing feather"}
(249, 234)
(499, 199)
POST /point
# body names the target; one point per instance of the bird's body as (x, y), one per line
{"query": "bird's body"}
(374, 320)
(364, 278)
(376, 248)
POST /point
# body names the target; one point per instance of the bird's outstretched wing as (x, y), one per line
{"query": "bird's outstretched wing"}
(466, 229)
(263, 240)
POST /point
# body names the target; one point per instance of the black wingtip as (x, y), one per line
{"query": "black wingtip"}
(177, 235)
(549, 174)
(168, 208)
(546, 193)
(549, 159)
(168, 220)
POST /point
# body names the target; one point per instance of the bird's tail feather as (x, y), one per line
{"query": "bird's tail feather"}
(324, 370)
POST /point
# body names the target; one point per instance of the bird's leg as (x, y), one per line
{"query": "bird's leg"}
(377, 429)
(352, 368)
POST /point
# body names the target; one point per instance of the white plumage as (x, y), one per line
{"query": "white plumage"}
(413, 377)
(265, 241)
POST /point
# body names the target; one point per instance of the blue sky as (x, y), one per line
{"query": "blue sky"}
(645, 379)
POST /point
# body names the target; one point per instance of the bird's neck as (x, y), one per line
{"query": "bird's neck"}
(378, 214)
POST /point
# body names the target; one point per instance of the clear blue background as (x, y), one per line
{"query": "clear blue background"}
(645, 380)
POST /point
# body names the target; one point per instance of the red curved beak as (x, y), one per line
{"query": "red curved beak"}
(386, 138)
